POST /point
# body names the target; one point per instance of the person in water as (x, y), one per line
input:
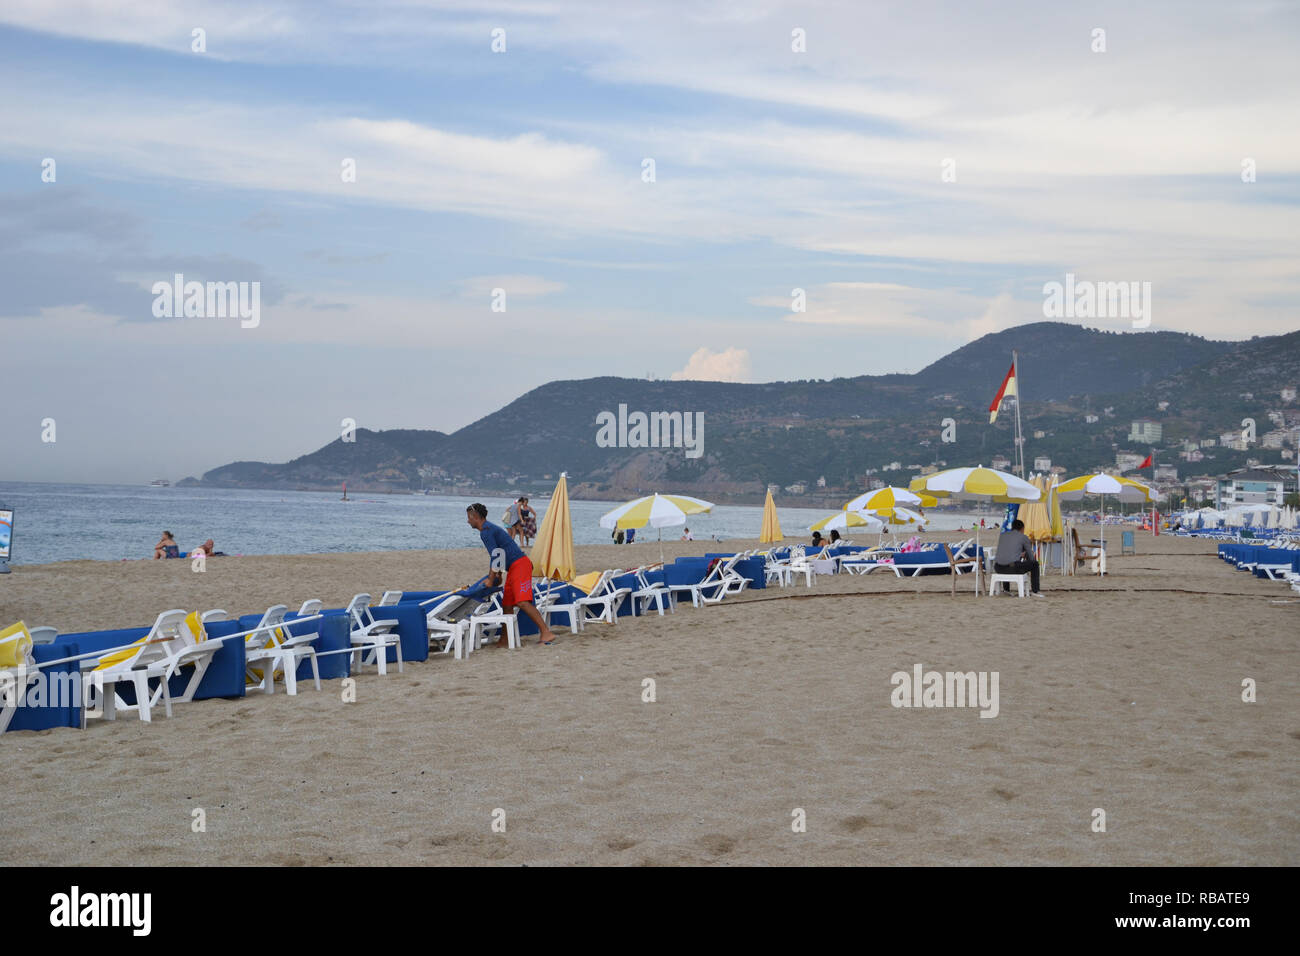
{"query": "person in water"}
(510, 563)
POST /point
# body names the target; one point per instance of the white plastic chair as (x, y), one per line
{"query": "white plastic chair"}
(272, 645)
(369, 635)
(646, 593)
(493, 618)
(160, 655)
(14, 682)
(447, 635)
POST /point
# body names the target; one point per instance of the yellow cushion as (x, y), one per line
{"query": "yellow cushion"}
(117, 657)
(194, 621)
(586, 582)
(15, 646)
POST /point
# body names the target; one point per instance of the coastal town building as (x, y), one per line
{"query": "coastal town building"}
(1253, 486)
(1042, 463)
(1146, 432)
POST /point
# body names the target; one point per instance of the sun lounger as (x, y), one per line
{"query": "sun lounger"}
(372, 637)
(174, 641)
(18, 671)
(275, 648)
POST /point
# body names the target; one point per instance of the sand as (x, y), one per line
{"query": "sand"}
(1122, 694)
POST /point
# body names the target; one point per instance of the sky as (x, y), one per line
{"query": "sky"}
(647, 183)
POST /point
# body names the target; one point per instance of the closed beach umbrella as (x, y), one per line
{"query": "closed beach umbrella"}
(842, 520)
(1037, 519)
(887, 498)
(771, 531)
(976, 484)
(1101, 484)
(552, 554)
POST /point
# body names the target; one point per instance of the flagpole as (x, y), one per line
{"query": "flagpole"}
(1020, 438)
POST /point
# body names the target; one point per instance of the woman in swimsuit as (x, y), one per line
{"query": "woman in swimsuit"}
(166, 547)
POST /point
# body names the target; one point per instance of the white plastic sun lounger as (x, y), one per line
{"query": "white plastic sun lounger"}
(160, 654)
(372, 637)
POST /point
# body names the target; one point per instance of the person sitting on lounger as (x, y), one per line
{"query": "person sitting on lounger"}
(1015, 555)
(510, 565)
(835, 538)
(686, 535)
(166, 547)
(817, 541)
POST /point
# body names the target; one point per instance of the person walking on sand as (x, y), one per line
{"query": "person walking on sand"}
(527, 522)
(507, 561)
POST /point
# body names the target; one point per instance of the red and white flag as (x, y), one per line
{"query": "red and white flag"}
(1008, 388)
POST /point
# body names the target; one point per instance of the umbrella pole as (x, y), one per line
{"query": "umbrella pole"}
(661, 546)
(1101, 558)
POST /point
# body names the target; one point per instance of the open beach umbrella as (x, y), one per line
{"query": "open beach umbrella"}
(887, 498)
(552, 555)
(842, 520)
(771, 531)
(657, 511)
(976, 484)
(1101, 484)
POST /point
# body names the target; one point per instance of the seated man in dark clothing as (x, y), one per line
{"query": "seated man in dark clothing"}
(1015, 555)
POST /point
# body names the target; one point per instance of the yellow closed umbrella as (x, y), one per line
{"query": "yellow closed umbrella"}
(771, 532)
(552, 555)
(1035, 515)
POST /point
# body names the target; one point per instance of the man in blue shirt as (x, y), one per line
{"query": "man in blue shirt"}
(508, 561)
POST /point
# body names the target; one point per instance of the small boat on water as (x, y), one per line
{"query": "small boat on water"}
(160, 483)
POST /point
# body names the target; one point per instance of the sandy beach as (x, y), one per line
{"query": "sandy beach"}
(1122, 694)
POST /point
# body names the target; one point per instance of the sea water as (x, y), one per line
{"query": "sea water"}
(58, 522)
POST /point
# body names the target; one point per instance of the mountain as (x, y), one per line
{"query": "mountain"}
(842, 429)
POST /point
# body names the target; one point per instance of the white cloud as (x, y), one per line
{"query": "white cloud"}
(515, 286)
(705, 365)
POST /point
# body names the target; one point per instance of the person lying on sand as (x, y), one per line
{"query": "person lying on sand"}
(505, 554)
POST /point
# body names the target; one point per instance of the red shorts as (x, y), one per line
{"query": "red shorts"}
(519, 583)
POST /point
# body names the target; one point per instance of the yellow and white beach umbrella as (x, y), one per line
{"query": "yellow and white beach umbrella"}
(1102, 484)
(657, 511)
(901, 515)
(888, 498)
(552, 555)
(976, 484)
(843, 520)
(771, 530)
